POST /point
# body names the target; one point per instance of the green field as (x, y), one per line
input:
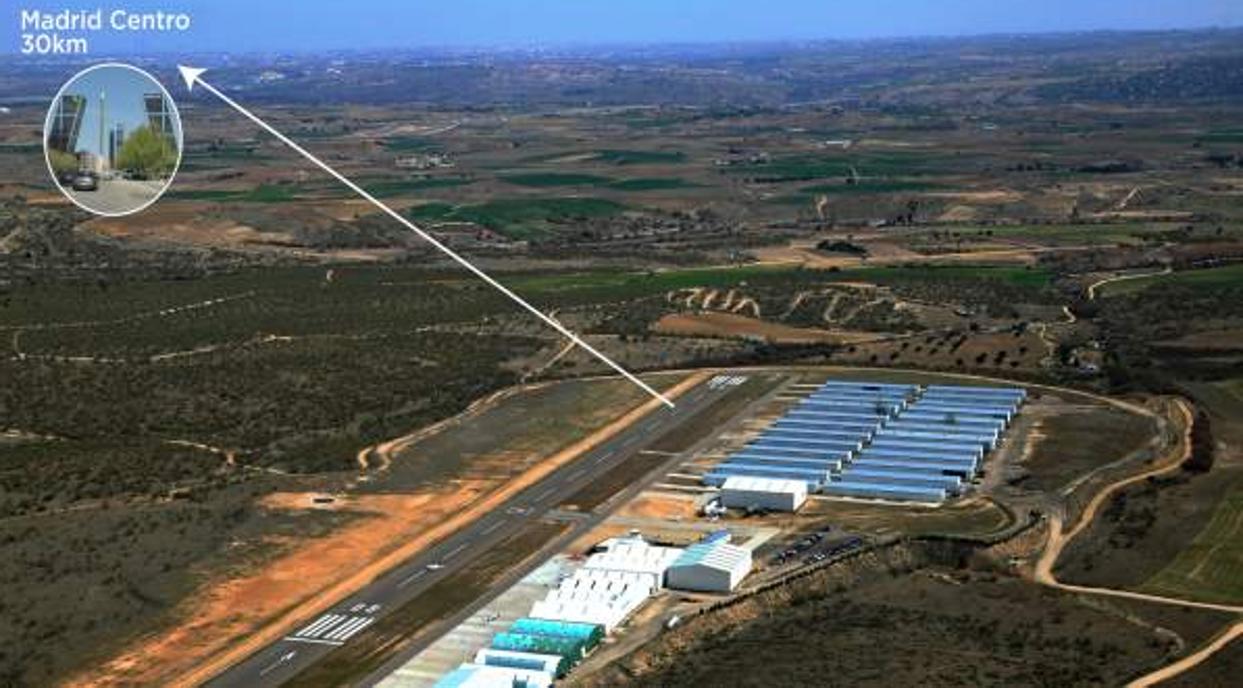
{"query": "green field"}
(652, 184)
(518, 218)
(1209, 278)
(547, 179)
(1224, 136)
(639, 157)
(1211, 568)
(398, 187)
(550, 179)
(807, 168)
(1019, 277)
(409, 144)
(226, 152)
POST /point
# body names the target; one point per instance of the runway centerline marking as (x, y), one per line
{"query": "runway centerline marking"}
(411, 578)
(493, 527)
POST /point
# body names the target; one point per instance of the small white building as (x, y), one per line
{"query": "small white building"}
(710, 566)
(746, 492)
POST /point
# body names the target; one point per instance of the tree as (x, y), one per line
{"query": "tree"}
(62, 161)
(148, 153)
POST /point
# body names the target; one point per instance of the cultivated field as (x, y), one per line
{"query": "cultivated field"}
(183, 388)
(1211, 567)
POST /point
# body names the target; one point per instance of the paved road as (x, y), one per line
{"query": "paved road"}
(117, 195)
(320, 635)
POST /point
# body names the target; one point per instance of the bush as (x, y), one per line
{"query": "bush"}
(148, 153)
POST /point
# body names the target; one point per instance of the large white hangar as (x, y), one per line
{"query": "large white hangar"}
(776, 494)
(709, 566)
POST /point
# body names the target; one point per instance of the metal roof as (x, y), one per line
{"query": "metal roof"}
(866, 385)
(793, 452)
(717, 555)
(883, 491)
(762, 460)
(912, 467)
(483, 676)
(863, 475)
(973, 389)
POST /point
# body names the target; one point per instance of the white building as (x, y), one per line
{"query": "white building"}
(745, 492)
(610, 585)
(633, 554)
(481, 676)
(528, 661)
(713, 566)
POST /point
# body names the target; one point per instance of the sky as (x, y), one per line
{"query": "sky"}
(310, 25)
(122, 90)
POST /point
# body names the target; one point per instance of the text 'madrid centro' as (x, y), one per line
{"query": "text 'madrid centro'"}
(68, 32)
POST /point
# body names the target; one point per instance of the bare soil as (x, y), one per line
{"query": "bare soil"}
(740, 326)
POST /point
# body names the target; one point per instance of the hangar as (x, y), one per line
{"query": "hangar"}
(742, 492)
(880, 440)
(709, 566)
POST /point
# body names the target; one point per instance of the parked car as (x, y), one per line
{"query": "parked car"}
(86, 181)
(66, 178)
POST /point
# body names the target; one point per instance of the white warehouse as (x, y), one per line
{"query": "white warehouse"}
(747, 492)
(610, 585)
(709, 566)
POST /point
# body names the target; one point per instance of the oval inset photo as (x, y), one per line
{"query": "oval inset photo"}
(112, 139)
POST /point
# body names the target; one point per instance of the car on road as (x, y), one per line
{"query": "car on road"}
(86, 181)
(66, 177)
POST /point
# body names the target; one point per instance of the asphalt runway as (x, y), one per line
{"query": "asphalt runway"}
(317, 636)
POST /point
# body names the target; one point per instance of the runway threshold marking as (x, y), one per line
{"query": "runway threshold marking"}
(319, 624)
(333, 627)
(348, 630)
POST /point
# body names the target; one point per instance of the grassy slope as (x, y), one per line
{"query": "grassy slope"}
(1229, 275)
(1211, 567)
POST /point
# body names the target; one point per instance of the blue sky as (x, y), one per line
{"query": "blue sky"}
(123, 90)
(289, 25)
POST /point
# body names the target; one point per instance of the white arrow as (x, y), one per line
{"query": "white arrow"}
(194, 75)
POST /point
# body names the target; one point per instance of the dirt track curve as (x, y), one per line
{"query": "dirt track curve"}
(1058, 540)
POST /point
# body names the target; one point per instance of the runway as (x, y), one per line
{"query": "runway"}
(318, 636)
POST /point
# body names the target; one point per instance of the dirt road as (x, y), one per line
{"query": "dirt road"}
(1058, 540)
(1192, 660)
(1122, 278)
(452, 520)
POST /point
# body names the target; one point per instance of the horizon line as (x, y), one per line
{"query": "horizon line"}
(501, 47)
